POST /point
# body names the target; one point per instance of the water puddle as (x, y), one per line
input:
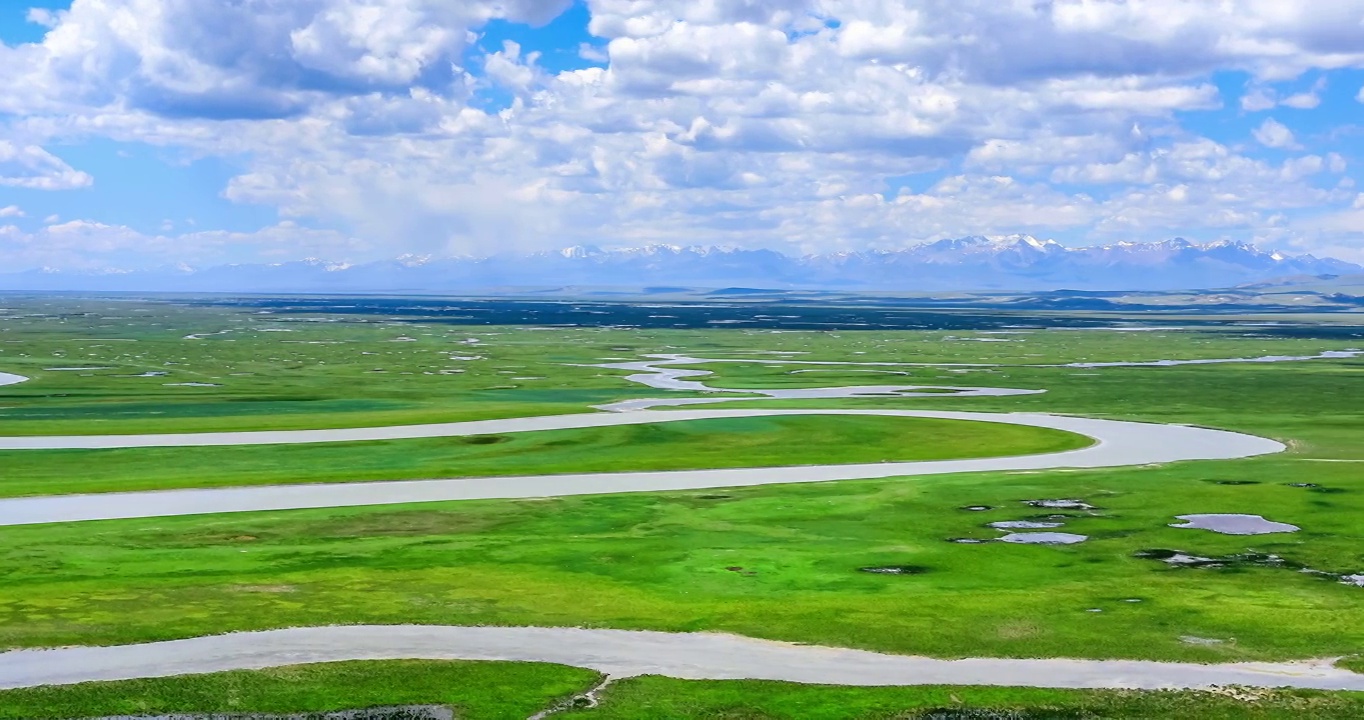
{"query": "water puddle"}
(1328, 355)
(1195, 640)
(1250, 558)
(1234, 524)
(1044, 538)
(895, 570)
(656, 373)
(1060, 504)
(1024, 525)
(1176, 558)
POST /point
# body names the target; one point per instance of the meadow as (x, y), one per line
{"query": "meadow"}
(747, 442)
(475, 690)
(667, 561)
(497, 691)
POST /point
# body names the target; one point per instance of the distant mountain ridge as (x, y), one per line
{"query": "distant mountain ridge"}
(1013, 262)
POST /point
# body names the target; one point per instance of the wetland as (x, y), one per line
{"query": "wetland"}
(660, 560)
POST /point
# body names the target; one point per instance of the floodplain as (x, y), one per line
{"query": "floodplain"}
(777, 562)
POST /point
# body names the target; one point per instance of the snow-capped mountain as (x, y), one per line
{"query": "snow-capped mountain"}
(1014, 262)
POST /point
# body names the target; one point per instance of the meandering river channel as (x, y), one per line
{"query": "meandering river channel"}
(622, 653)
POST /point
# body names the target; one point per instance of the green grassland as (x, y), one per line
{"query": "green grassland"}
(475, 690)
(663, 560)
(270, 374)
(308, 371)
(479, 691)
(667, 699)
(746, 442)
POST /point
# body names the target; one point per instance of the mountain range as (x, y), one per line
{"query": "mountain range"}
(1014, 262)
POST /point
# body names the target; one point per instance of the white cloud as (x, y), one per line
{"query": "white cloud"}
(89, 245)
(1257, 99)
(42, 16)
(185, 58)
(1045, 152)
(29, 166)
(1295, 169)
(1274, 134)
(11, 211)
(788, 123)
(1302, 101)
(592, 53)
(1307, 100)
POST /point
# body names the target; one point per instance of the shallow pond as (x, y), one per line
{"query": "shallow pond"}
(1234, 524)
(1181, 559)
(1061, 504)
(1044, 538)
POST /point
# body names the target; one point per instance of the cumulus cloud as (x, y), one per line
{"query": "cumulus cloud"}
(1274, 134)
(42, 16)
(1309, 99)
(257, 58)
(794, 124)
(29, 166)
(12, 211)
(1257, 99)
(90, 245)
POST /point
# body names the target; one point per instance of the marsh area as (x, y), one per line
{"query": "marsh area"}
(661, 560)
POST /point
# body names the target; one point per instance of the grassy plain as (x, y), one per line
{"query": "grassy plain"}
(745, 442)
(479, 691)
(475, 690)
(662, 561)
(285, 371)
(667, 699)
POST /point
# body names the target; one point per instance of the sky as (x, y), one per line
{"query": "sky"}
(145, 133)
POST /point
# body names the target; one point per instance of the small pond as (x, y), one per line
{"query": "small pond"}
(1234, 524)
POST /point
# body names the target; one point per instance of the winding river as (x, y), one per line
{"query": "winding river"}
(621, 653)
(1117, 443)
(626, 653)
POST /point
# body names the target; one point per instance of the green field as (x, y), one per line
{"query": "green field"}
(747, 442)
(660, 561)
(666, 561)
(487, 691)
(668, 699)
(476, 691)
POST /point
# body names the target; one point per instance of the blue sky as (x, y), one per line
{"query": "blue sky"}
(15, 27)
(269, 130)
